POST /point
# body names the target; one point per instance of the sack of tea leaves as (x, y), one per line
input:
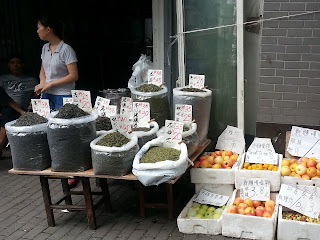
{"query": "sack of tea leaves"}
(103, 124)
(154, 164)
(113, 153)
(189, 135)
(146, 134)
(158, 99)
(200, 99)
(69, 138)
(28, 142)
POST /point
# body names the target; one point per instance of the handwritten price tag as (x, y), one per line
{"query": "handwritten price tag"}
(155, 77)
(67, 100)
(121, 123)
(141, 114)
(262, 157)
(172, 133)
(206, 197)
(183, 113)
(126, 106)
(196, 81)
(82, 99)
(255, 189)
(232, 138)
(41, 107)
(304, 199)
(107, 111)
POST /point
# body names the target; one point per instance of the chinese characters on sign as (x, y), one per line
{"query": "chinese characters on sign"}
(183, 113)
(196, 81)
(206, 197)
(255, 189)
(126, 106)
(261, 151)
(155, 77)
(141, 114)
(82, 99)
(101, 105)
(121, 123)
(232, 138)
(172, 133)
(67, 100)
(41, 107)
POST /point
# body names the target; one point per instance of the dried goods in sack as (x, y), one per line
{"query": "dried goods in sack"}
(146, 134)
(155, 173)
(69, 139)
(113, 153)
(158, 99)
(28, 142)
(201, 105)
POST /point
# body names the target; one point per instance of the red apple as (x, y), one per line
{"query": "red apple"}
(311, 163)
(228, 153)
(249, 202)
(202, 158)
(232, 209)
(217, 165)
(312, 172)
(269, 203)
(242, 206)
(249, 214)
(259, 212)
(204, 164)
(237, 201)
(267, 214)
(196, 164)
(249, 209)
(256, 203)
(305, 177)
(218, 153)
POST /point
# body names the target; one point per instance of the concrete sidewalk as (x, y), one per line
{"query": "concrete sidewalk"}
(22, 213)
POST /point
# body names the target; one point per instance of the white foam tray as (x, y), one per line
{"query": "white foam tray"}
(199, 226)
(249, 227)
(213, 175)
(273, 176)
(295, 230)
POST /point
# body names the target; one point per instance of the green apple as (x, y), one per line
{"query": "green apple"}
(191, 212)
(208, 215)
(199, 216)
(211, 209)
(196, 204)
(201, 211)
(216, 215)
(196, 208)
(218, 210)
(204, 206)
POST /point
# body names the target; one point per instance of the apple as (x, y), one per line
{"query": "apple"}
(216, 215)
(218, 153)
(249, 214)
(204, 164)
(249, 209)
(241, 211)
(312, 172)
(196, 164)
(257, 203)
(225, 164)
(249, 202)
(232, 209)
(301, 169)
(304, 159)
(292, 161)
(211, 160)
(259, 212)
(208, 215)
(218, 159)
(191, 212)
(285, 171)
(213, 154)
(201, 211)
(197, 208)
(305, 177)
(318, 166)
(204, 206)
(199, 215)
(202, 158)
(269, 209)
(232, 162)
(318, 172)
(311, 163)
(237, 201)
(242, 206)
(267, 214)
(217, 165)
(234, 156)
(292, 174)
(195, 204)
(285, 162)
(298, 175)
(269, 203)
(228, 153)
(211, 209)
(226, 158)
(293, 167)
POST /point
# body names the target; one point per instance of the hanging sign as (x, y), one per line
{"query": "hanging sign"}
(41, 107)
(206, 197)
(257, 189)
(155, 77)
(141, 114)
(196, 81)
(172, 133)
(82, 99)
(183, 113)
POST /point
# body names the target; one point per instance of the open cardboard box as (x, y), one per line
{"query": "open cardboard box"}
(250, 227)
(296, 230)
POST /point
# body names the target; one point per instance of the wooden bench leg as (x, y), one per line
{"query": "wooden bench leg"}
(141, 198)
(47, 200)
(89, 203)
(105, 193)
(66, 191)
(170, 200)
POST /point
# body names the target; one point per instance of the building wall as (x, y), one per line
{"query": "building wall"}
(289, 87)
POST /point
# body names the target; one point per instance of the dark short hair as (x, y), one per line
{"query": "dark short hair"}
(54, 23)
(14, 55)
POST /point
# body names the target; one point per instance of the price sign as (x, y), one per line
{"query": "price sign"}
(126, 106)
(262, 157)
(304, 199)
(304, 142)
(172, 133)
(67, 100)
(107, 111)
(155, 77)
(114, 122)
(206, 197)
(101, 104)
(41, 107)
(255, 189)
(183, 113)
(141, 114)
(82, 99)
(121, 123)
(232, 138)
(196, 81)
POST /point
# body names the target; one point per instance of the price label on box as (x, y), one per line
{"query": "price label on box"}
(183, 113)
(121, 123)
(67, 100)
(41, 107)
(126, 106)
(206, 197)
(302, 199)
(196, 81)
(232, 138)
(255, 189)
(172, 133)
(141, 114)
(155, 77)
(82, 99)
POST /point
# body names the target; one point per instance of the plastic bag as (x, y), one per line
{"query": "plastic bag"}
(69, 142)
(116, 161)
(144, 137)
(156, 173)
(29, 146)
(140, 71)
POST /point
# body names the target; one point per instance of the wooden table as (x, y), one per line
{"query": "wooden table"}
(84, 178)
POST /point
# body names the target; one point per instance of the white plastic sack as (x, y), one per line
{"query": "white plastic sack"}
(140, 71)
(144, 137)
(156, 173)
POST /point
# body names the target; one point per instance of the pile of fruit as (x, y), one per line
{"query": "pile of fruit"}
(299, 217)
(305, 168)
(259, 166)
(204, 211)
(217, 159)
(252, 208)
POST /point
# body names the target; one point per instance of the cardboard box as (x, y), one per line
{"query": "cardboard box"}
(296, 230)
(249, 227)
(273, 176)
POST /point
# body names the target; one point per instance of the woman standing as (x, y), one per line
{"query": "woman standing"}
(59, 63)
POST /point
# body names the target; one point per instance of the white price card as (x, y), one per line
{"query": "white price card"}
(41, 107)
(82, 99)
(255, 189)
(141, 114)
(155, 77)
(262, 157)
(206, 197)
(183, 113)
(304, 142)
(172, 133)
(196, 81)
(107, 111)
(67, 100)
(232, 138)
(121, 123)
(126, 106)
(114, 122)
(100, 105)
(300, 199)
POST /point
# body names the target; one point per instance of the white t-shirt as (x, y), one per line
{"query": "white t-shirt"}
(55, 66)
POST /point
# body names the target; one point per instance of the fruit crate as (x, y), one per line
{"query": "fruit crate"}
(295, 230)
(199, 226)
(215, 175)
(249, 227)
(300, 181)
(273, 176)
(222, 189)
